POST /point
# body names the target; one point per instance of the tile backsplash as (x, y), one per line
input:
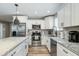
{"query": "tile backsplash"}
(66, 31)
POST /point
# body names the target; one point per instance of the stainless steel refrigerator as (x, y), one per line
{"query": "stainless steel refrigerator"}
(18, 30)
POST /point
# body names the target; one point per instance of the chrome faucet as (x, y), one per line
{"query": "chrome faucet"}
(55, 30)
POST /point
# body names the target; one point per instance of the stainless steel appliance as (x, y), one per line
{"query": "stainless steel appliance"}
(36, 35)
(73, 36)
(53, 48)
(19, 30)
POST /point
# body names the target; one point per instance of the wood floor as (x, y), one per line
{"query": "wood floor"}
(38, 51)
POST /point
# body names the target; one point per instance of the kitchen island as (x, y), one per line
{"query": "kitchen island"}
(63, 45)
(12, 46)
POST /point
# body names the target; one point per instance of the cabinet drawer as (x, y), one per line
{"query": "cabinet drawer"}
(12, 52)
(62, 51)
(18, 50)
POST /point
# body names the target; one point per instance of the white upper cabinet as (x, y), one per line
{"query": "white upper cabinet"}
(64, 16)
(75, 14)
(31, 22)
(68, 15)
(46, 23)
(61, 17)
(49, 22)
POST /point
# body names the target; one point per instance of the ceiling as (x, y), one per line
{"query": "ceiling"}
(33, 10)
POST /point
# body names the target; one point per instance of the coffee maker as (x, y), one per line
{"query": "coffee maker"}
(73, 36)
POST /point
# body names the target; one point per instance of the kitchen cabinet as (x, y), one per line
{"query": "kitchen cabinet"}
(52, 47)
(68, 15)
(62, 51)
(75, 14)
(49, 22)
(20, 50)
(40, 22)
(48, 44)
(46, 23)
(64, 16)
(61, 17)
(2, 30)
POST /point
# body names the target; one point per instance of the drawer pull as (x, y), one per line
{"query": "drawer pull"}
(14, 52)
(11, 54)
(65, 51)
(25, 46)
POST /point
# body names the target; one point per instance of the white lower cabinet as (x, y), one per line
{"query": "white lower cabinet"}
(62, 51)
(48, 44)
(20, 50)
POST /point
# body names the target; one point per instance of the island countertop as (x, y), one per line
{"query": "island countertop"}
(10, 43)
(73, 47)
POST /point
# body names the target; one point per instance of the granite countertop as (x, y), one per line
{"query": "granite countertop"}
(7, 44)
(73, 47)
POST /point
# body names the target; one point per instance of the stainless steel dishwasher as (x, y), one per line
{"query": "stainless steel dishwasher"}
(53, 48)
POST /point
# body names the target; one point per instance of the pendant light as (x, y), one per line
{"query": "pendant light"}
(16, 21)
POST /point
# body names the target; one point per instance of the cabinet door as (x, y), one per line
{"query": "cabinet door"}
(75, 14)
(48, 44)
(12, 53)
(1, 32)
(46, 23)
(61, 17)
(49, 22)
(21, 50)
(26, 46)
(62, 51)
(68, 15)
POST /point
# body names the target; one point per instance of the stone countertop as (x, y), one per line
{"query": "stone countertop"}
(73, 47)
(7, 44)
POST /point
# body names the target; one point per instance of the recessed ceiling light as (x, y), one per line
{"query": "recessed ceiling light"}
(36, 12)
(48, 11)
(18, 12)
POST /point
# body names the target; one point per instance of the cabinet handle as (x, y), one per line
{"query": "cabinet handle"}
(65, 51)
(13, 53)
(25, 46)
(47, 40)
(62, 24)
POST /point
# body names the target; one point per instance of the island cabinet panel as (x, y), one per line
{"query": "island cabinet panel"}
(20, 50)
(62, 51)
